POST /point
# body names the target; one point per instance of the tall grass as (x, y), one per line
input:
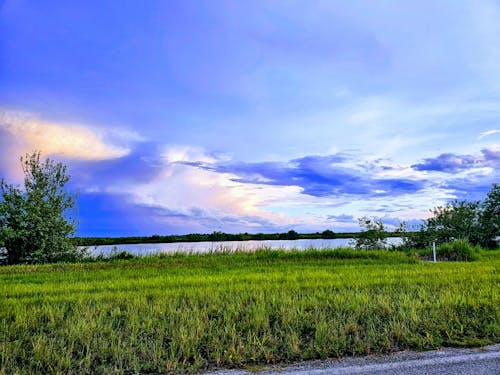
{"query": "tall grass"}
(458, 250)
(186, 313)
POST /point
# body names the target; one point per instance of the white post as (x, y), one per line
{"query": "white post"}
(434, 250)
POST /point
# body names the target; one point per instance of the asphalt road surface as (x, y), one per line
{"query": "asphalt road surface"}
(483, 361)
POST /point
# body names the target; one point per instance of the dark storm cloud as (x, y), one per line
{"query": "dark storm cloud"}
(141, 165)
(452, 163)
(320, 176)
(116, 214)
(448, 163)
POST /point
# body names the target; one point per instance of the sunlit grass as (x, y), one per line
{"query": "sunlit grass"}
(186, 313)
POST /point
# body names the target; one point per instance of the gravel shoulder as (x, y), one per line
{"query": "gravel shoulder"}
(445, 361)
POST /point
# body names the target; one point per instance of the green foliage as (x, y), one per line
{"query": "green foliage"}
(34, 227)
(217, 236)
(478, 223)
(154, 314)
(328, 234)
(490, 217)
(372, 235)
(456, 220)
(292, 235)
(458, 250)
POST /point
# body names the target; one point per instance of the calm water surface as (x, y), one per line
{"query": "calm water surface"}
(207, 247)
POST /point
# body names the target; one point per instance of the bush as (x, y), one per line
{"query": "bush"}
(36, 223)
(458, 250)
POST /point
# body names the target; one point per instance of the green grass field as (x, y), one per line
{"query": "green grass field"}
(188, 313)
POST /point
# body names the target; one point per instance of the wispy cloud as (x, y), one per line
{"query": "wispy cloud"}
(342, 218)
(487, 133)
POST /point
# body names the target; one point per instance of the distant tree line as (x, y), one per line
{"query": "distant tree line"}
(216, 236)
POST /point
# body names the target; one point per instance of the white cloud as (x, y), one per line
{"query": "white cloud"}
(73, 141)
(175, 154)
(489, 132)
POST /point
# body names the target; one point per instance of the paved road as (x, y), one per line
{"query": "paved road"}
(484, 361)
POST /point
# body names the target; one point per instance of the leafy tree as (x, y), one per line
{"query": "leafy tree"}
(489, 219)
(372, 236)
(476, 222)
(292, 235)
(455, 220)
(328, 234)
(34, 222)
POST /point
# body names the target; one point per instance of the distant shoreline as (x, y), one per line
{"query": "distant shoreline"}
(216, 237)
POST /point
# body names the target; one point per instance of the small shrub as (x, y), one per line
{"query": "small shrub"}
(458, 250)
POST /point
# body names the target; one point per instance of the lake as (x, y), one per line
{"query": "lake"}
(209, 247)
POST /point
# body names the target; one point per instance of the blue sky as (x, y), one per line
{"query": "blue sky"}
(253, 116)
